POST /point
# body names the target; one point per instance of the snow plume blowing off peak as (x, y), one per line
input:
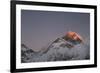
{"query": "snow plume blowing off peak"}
(69, 47)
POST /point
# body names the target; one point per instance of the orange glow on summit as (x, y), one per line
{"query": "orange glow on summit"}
(74, 36)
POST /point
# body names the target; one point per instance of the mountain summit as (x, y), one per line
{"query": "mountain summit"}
(68, 47)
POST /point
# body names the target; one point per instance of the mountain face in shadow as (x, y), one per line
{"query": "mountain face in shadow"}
(69, 47)
(26, 53)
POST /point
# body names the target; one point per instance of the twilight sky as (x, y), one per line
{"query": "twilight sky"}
(38, 28)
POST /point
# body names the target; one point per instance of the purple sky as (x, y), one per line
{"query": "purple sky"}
(38, 28)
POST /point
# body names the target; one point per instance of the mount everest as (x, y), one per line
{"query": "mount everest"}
(69, 47)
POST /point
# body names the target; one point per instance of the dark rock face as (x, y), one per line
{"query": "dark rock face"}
(26, 53)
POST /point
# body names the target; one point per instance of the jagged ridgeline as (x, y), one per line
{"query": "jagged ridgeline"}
(66, 48)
